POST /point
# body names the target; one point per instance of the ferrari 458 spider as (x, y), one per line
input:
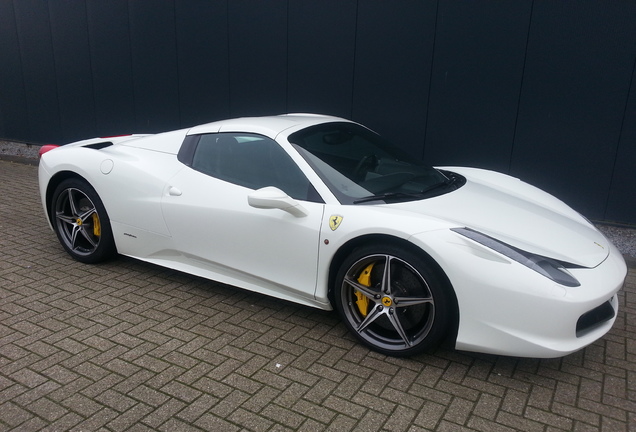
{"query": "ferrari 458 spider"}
(321, 211)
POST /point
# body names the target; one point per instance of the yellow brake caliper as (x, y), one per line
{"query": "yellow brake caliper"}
(97, 227)
(364, 279)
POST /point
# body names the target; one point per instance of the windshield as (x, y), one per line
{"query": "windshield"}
(359, 166)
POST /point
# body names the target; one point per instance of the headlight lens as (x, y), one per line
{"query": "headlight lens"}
(548, 267)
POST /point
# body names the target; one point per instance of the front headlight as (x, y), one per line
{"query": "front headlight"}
(548, 267)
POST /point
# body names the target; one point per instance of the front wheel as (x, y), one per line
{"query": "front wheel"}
(81, 223)
(393, 300)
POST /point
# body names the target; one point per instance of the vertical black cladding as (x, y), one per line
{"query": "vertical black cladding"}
(73, 72)
(257, 34)
(203, 59)
(111, 65)
(475, 84)
(579, 65)
(38, 70)
(393, 58)
(14, 122)
(154, 65)
(621, 205)
(322, 39)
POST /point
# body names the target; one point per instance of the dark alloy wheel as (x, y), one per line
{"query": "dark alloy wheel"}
(394, 301)
(81, 223)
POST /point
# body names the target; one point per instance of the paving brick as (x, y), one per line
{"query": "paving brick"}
(320, 390)
(46, 409)
(34, 424)
(211, 422)
(315, 412)
(230, 403)
(65, 423)
(34, 394)
(13, 415)
(163, 413)
(115, 400)
(181, 391)
(250, 421)
(372, 421)
(344, 406)
(261, 399)
(242, 383)
(401, 419)
(519, 423)
(487, 406)
(483, 425)
(129, 418)
(342, 423)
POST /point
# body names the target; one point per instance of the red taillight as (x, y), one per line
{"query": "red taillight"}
(116, 136)
(46, 148)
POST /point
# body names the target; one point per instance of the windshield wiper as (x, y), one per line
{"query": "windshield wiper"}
(388, 195)
(448, 181)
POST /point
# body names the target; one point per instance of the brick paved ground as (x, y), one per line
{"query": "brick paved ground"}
(128, 346)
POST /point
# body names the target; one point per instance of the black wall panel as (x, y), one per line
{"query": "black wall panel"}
(258, 57)
(575, 85)
(38, 68)
(13, 111)
(476, 82)
(111, 63)
(203, 59)
(322, 38)
(69, 31)
(394, 52)
(541, 90)
(621, 204)
(154, 65)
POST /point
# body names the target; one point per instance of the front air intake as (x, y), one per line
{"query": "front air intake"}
(590, 320)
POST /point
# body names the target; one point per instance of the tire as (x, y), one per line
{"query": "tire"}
(81, 222)
(400, 312)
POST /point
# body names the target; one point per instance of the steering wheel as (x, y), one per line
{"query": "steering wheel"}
(365, 164)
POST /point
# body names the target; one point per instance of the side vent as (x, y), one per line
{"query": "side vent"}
(99, 146)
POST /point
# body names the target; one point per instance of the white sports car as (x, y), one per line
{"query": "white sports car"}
(321, 211)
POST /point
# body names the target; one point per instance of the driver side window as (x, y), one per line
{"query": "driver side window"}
(252, 161)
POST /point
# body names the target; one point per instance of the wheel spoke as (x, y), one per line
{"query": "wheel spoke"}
(398, 327)
(84, 216)
(386, 275)
(412, 301)
(86, 234)
(367, 291)
(64, 218)
(76, 230)
(72, 203)
(372, 316)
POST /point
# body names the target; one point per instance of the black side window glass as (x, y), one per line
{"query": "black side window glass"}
(252, 161)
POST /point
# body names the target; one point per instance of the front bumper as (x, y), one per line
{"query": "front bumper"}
(507, 309)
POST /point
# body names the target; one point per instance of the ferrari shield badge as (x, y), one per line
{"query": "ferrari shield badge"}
(334, 222)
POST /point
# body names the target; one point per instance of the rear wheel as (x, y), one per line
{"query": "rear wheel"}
(81, 223)
(393, 300)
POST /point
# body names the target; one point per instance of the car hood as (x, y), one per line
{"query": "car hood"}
(518, 214)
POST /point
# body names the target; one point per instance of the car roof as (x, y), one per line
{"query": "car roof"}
(269, 126)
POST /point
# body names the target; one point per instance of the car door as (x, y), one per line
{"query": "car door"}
(219, 233)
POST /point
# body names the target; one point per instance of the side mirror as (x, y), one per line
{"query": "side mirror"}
(273, 198)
